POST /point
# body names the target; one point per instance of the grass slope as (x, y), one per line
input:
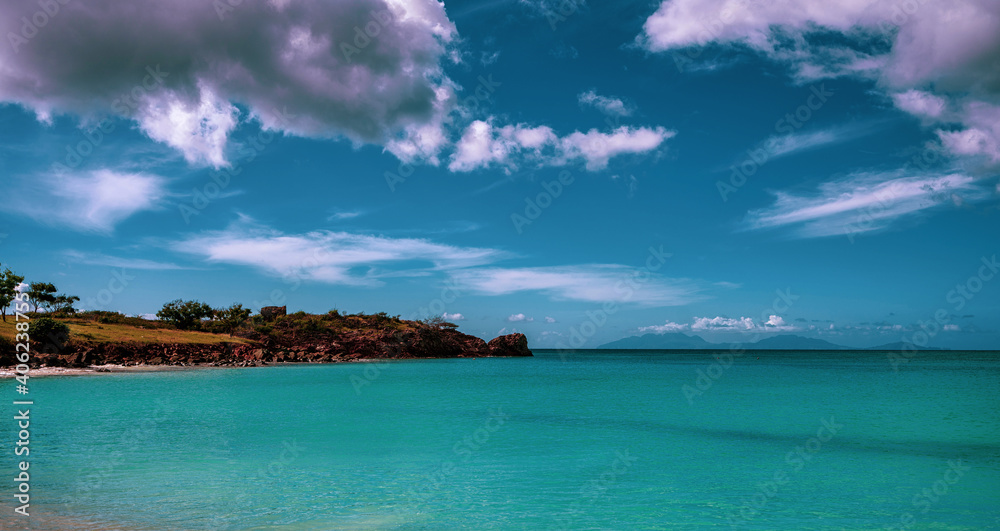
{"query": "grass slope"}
(82, 330)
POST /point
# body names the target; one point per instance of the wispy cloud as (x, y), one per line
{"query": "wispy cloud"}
(591, 283)
(608, 106)
(99, 259)
(862, 202)
(88, 202)
(329, 257)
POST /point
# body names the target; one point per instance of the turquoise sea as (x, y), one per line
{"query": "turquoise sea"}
(581, 440)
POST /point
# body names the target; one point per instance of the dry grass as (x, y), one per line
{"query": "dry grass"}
(105, 333)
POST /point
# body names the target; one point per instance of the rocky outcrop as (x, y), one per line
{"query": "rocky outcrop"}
(345, 345)
(509, 345)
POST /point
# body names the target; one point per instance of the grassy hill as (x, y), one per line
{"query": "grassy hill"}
(134, 332)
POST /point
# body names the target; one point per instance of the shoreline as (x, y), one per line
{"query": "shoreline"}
(114, 368)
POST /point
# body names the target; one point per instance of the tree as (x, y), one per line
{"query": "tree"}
(8, 290)
(64, 303)
(42, 295)
(49, 334)
(438, 322)
(185, 315)
(232, 317)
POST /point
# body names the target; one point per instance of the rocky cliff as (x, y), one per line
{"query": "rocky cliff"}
(319, 346)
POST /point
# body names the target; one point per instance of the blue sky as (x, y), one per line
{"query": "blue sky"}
(576, 172)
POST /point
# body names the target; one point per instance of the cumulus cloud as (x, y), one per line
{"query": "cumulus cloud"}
(608, 106)
(519, 317)
(365, 70)
(453, 316)
(774, 323)
(666, 327)
(920, 103)
(775, 320)
(862, 202)
(550, 320)
(86, 201)
(484, 145)
(927, 55)
(723, 324)
(328, 257)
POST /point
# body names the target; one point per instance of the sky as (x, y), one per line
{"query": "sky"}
(579, 172)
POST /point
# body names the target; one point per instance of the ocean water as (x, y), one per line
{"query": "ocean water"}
(584, 440)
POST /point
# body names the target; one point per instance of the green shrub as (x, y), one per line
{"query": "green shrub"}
(50, 335)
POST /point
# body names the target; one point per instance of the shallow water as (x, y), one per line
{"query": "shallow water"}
(598, 440)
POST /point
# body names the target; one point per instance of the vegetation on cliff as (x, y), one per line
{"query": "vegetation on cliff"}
(233, 337)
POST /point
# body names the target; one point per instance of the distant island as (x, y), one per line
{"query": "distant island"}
(197, 335)
(678, 340)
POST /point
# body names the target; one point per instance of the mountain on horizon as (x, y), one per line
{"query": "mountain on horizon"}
(678, 340)
(672, 340)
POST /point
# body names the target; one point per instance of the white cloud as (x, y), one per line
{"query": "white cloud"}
(928, 55)
(862, 202)
(453, 316)
(723, 324)
(519, 317)
(920, 103)
(99, 259)
(483, 145)
(775, 323)
(666, 328)
(88, 202)
(608, 106)
(550, 320)
(952, 328)
(326, 256)
(592, 283)
(981, 135)
(306, 68)
(344, 214)
(198, 129)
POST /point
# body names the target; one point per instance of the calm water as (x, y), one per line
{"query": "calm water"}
(600, 440)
